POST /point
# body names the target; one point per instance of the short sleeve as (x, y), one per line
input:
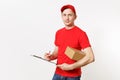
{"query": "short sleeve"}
(84, 41)
(56, 41)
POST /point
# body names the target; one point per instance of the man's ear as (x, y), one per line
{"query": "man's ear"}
(75, 16)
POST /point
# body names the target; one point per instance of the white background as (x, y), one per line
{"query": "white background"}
(28, 27)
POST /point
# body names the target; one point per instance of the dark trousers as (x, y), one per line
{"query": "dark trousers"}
(59, 77)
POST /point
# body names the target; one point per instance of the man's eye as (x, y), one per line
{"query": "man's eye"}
(70, 14)
(64, 14)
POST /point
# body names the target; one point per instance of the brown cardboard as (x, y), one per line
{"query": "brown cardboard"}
(74, 54)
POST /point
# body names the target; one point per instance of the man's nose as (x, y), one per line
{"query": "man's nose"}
(67, 17)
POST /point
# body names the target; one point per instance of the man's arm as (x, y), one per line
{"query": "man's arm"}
(89, 58)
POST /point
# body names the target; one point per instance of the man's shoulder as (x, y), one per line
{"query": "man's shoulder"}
(79, 29)
(61, 29)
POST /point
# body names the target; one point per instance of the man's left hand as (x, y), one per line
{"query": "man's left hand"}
(65, 66)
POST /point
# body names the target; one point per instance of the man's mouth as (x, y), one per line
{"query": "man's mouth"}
(67, 21)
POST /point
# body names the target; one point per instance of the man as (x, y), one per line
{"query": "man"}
(73, 36)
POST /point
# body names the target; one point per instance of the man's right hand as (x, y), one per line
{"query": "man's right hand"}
(48, 56)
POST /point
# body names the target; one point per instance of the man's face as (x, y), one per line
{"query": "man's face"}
(68, 17)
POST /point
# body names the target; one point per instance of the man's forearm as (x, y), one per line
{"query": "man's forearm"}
(88, 62)
(54, 54)
(83, 62)
(80, 63)
(53, 57)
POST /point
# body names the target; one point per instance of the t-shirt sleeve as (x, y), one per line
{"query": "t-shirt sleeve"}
(84, 41)
(56, 41)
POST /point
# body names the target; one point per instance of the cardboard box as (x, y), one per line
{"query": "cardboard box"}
(74, 54)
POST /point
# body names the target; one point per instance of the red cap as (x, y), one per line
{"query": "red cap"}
(68, 6)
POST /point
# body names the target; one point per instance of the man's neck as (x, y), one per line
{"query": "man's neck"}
(69, 27)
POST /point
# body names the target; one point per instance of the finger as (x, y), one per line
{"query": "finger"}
(47, 54)
(59, 66)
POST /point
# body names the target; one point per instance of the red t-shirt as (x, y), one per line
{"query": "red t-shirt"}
(75, 38)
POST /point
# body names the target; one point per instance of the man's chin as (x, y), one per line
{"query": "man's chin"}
(69, 25)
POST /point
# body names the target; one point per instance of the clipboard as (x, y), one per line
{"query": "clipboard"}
(43, 59)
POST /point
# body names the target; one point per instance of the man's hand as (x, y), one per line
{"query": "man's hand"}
(65, 66)
(51, 56)
(47, 56)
